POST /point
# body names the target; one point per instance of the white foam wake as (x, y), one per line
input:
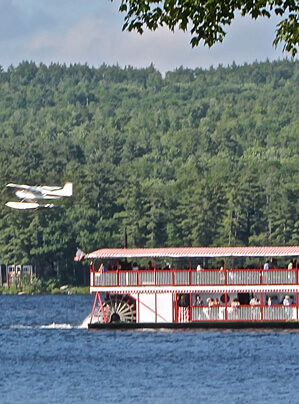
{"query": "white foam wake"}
(49, 326)
(85, 322)
(57, 326)
(53, 326)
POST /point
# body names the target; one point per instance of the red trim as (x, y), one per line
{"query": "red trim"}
(102, 308)
(138, 302)
(225, 305)
(94, 306)
(98, 298)
(155, 307)
(297, 304)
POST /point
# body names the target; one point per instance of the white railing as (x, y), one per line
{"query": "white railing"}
(191, 277)
(146, 278)
(279, 277)
(208, 277)
(280, 313)
(244, 313)
(240, 277)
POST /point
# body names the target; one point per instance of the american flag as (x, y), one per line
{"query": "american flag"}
(79, 255)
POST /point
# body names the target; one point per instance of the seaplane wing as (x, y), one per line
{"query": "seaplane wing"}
(32, 193)
(28, 205)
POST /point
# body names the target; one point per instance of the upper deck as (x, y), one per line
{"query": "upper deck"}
(155, 280)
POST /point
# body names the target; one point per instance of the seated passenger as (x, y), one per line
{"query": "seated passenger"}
(210, 302)
(254, 301)
(235, 303)
(217, 303)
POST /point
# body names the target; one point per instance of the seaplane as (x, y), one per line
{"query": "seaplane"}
(31, 195)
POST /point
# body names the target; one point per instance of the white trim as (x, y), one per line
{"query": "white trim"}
(197, 289)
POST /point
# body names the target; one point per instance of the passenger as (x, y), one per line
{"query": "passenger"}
(199, 268)
(235, 303)
(198, 301)
(135, 266)
(254, 301)
(290, 264)
(266, 266)
(102, 268)
(216, 303)
(269, 301)
(211, 302)
(221, 270)
(150, 266)
(183, 310)
(286, 301)
(182, 301)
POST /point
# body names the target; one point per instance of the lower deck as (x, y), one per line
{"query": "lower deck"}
(229, 309)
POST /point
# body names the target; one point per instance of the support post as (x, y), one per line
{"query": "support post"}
(225, 305)
(93, 307)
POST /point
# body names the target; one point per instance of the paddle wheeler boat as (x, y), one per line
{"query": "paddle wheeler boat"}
(223, 287)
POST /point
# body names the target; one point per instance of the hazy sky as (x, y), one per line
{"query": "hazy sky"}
(90, 31)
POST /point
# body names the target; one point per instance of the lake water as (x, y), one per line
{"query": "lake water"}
(47, 355)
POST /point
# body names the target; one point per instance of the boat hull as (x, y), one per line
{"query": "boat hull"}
(201, 324)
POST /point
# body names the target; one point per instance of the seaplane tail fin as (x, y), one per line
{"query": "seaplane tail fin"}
(67, 190)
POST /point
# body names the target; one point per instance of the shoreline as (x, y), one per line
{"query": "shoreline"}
(63, 290)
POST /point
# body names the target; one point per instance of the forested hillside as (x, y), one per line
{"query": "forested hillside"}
(199, 157)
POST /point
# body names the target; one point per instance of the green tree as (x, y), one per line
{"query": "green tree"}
(206, 19)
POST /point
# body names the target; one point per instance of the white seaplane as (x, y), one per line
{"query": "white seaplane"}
(29, 195)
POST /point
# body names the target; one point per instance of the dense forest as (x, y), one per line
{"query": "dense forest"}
(195, 158)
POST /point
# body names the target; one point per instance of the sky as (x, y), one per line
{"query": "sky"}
(90, 31)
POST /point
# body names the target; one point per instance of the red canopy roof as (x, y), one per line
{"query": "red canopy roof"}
(201, 252)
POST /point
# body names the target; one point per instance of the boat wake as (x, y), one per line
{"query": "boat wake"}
(58, 326)
(35, 327)
(85, 322)
(52, 326)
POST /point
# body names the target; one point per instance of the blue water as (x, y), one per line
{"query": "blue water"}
(47, 355)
